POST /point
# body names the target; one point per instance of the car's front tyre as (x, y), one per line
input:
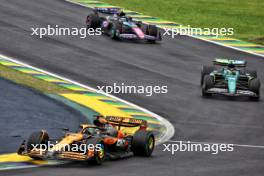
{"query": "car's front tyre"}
(208, 82)
(206, 70)
(36, 139)
(99, 151)
(254, 86)
(143, 143)
(93, 21)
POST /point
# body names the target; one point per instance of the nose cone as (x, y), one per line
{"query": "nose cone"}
(139, 32)
(232, 85)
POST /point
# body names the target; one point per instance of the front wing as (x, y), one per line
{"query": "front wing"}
(135, 37)
(223, 91)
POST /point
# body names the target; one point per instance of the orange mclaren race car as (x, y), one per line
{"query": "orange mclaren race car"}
(106, 138)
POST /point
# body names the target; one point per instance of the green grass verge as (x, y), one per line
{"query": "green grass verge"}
(244, 16)
(31, 82)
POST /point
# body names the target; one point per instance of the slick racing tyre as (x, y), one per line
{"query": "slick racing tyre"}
(254, 86)
(152, 30)
(143, 143)
(207, 84)
(206, 71)
(35, 139)
(98, 153)
(93, 21)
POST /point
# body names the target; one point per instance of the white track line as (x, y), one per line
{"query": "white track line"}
(217, 43)
(236, 145)
(169, 127)
(31, 166)
(18, 167)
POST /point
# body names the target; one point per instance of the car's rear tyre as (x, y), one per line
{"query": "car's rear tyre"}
(152, 30)
(143, 143)
(99, 153)
(254, 86)
(93, 21)
(206, 70)
(208, 82)
(37, 138)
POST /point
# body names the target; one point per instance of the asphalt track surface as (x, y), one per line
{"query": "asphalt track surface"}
(97, 60)
(24, 111)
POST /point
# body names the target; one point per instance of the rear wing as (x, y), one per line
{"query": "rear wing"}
(225, 62)
(108, 10)
(126, 122)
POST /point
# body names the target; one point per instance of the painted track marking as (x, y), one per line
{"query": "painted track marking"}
(236, 145)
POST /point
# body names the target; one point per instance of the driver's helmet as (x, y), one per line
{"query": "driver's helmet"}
(231, 66)
(100, 122)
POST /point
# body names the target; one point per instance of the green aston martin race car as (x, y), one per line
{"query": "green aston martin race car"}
(231, 79)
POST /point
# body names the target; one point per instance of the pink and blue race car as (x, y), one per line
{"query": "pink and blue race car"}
(119, 26)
